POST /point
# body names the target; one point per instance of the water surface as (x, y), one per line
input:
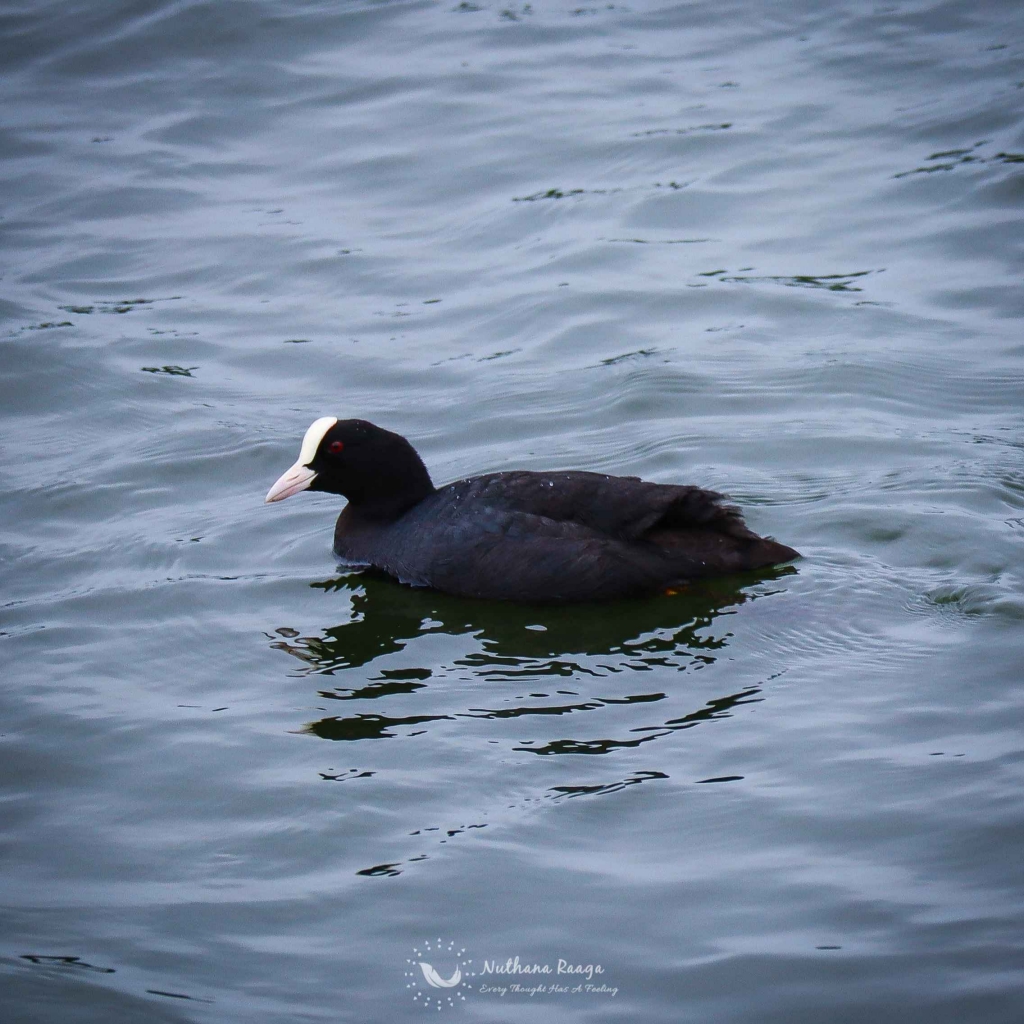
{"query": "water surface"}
(773, 251)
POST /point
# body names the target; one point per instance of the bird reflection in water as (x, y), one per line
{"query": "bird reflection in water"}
(561, 651)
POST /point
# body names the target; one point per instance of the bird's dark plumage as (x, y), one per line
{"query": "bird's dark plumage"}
(519, 536)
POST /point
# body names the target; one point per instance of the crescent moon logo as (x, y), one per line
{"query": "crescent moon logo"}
(435, 980)
(428, 987)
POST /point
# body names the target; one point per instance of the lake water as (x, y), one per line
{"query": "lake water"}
(775, 250)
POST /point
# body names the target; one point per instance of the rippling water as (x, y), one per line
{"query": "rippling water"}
(773, 250)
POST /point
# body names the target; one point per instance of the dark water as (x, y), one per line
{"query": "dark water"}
(771, 249)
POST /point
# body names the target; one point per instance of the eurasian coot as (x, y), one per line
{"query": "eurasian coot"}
(518, 536)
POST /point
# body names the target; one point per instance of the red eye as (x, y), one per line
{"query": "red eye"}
(335, 447)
